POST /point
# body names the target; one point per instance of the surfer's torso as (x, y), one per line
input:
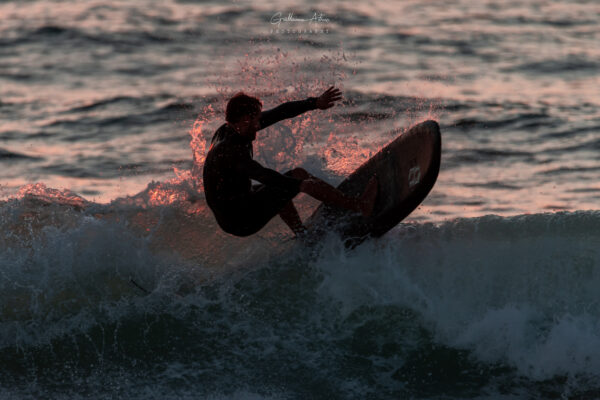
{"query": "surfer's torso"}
(229, 167)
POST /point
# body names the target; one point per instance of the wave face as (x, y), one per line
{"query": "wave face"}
(140, 91)
(497, 305)
(115, 281)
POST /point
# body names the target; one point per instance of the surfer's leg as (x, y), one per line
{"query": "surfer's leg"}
(268, 201)
(299, 173)
(289, 213)
(328, 194)
(290, 216)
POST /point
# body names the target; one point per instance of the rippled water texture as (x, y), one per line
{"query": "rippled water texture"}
(100, 98)
(116, 282)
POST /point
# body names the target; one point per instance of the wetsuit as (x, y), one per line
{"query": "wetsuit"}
(239, 207)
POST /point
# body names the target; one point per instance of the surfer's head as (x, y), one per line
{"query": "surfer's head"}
(243, 114)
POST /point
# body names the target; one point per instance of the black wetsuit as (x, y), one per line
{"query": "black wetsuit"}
(240, 208)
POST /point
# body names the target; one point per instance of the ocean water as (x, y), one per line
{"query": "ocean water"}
(115, 281)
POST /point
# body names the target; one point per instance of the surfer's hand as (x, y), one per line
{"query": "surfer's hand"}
(328, 98)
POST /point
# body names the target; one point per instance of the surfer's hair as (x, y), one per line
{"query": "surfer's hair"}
(241, 105)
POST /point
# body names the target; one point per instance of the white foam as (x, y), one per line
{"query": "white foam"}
(61, 278)
(520, 291)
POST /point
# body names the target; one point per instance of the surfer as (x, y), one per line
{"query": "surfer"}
(241, 208)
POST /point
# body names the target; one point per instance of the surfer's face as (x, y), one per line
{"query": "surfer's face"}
(248, 125)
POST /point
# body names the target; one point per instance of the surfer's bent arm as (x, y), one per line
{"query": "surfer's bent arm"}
(287, 110)
(271, 177)
(245, 165)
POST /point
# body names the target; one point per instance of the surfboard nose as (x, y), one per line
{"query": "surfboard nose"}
(406, 170)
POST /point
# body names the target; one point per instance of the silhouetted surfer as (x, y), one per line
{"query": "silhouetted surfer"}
(242, 208)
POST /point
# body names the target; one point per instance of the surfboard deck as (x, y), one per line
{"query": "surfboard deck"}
(406, 170)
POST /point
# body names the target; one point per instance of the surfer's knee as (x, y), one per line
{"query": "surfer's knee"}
(299, 173)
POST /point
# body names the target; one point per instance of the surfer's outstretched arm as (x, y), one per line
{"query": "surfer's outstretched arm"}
(294, 108)
(286, 110)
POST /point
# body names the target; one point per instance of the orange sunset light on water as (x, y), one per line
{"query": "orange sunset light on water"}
(481, 65)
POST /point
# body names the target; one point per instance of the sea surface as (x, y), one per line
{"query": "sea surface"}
(116, 282)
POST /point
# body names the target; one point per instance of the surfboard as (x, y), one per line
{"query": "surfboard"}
(406, 170)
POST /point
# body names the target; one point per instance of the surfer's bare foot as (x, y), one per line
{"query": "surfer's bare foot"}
(367, 199)
(300, 232)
